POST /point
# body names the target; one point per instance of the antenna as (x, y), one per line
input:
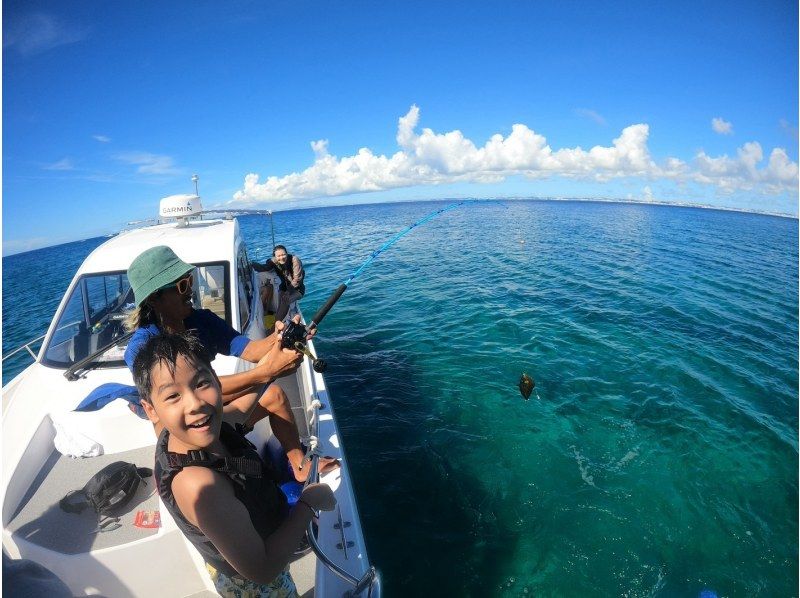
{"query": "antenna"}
(195, 178)
(271, 227)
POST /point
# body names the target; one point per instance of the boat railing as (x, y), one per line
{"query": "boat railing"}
(28, 344)
(25, 346)
(369, 583)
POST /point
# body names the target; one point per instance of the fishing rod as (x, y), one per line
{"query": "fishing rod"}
(294, 335)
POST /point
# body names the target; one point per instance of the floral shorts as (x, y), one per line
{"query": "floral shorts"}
(233, 587)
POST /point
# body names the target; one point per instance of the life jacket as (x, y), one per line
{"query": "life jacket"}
(254, 483)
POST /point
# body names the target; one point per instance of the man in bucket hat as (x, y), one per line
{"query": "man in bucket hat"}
(162, 284)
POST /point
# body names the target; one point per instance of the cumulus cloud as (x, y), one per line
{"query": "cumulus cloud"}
(38, 32)
(743, 172)
(101, 138)
(429, 158)
(723, 127)
(63, 164)
(150, 164)
(591, 115)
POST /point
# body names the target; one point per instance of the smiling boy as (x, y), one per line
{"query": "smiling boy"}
(221, 495)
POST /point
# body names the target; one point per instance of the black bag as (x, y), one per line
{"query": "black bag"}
(109, 489)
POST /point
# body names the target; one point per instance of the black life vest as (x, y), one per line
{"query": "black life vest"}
(287, 273)
(254, 483)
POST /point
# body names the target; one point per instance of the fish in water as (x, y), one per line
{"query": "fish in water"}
(526, 386)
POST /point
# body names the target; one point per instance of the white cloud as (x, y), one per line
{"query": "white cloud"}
(591, 115)
(101, 138)
(723, 127)
(150, 164)
(430, 158)
(38, 32)
(63, 164)
(742, 172)
(647, 193)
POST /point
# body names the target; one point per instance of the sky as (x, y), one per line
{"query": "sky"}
(110, 106)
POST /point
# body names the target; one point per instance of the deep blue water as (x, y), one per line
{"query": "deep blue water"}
(659, 456)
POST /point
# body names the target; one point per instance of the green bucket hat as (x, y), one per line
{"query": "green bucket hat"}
(153, 269)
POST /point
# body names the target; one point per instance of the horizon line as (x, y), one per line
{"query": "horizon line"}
(653, 202)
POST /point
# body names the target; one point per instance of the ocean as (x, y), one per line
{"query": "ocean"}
(658, 455)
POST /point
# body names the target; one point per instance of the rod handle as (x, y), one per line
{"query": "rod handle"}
(323, 311)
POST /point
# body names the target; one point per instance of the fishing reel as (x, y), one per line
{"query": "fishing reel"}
(294, 337)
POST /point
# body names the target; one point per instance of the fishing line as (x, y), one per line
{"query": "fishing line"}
(397, 237)
(343, 287)
(294, 335)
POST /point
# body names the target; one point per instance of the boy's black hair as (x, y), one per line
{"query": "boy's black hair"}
(274, 249)
(165, 348)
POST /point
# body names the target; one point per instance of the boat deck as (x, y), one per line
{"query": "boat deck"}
(41, 521)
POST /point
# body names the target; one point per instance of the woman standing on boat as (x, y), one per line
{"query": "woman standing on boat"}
(162, 286)
(290, 270)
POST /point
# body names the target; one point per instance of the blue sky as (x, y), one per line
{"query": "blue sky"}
(109, 106)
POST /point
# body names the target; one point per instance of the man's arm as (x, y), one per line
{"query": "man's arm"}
(276, 363)
(255, 350)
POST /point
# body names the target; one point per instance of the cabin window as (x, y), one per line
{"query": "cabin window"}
(211, 290)
(94, 315)
(91, 319)
(245, 284)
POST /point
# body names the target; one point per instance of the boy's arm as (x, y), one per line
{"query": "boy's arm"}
(206, 499)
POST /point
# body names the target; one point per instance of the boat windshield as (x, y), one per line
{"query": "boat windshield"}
(95, 312)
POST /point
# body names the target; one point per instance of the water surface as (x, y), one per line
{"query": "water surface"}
(660, 456)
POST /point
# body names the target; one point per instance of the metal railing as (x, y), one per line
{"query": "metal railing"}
(370, 581)
(25, 346)
(37, 339)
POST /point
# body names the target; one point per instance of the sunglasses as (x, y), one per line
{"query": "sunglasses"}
(182, 286)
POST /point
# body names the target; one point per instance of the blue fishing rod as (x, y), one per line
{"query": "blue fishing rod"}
(294, 335)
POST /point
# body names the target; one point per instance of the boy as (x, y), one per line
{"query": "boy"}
(222, 497)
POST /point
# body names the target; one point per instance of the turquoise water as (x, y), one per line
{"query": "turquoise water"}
(659, 456)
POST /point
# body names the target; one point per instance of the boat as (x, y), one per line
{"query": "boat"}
(83, 349)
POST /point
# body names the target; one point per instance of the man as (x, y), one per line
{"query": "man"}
(290, 270)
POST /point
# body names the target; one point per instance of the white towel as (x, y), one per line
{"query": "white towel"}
(71, 443)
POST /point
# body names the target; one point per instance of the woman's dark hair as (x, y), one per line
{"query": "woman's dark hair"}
(166, 348)
(274, 249)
